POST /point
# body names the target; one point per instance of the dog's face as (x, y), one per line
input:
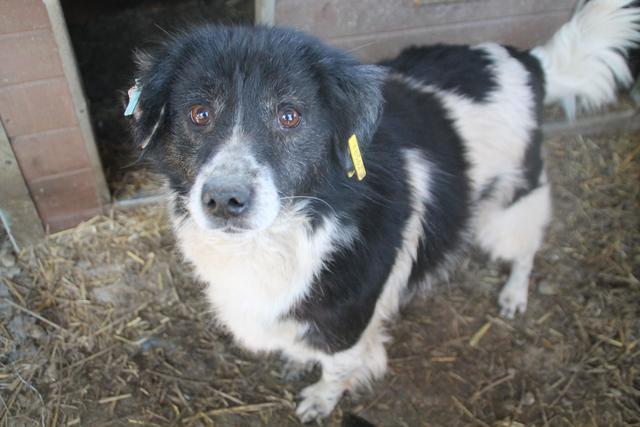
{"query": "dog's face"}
(244, 121)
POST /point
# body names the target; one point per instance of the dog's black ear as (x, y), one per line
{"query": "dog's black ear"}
(153, 79)
(356, 93)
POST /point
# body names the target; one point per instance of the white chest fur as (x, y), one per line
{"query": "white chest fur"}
(254, 280)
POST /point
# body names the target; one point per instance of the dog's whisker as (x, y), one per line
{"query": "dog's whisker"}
(310, 198)
(163, 30)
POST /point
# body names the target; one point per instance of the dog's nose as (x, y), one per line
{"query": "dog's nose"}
(225, 197)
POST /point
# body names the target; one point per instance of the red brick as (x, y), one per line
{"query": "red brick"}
(36, 107)
(50, 153)
(28, 56)
(22, 15)
(63, 199)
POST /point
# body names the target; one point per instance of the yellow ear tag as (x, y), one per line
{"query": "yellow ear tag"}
(356, 157)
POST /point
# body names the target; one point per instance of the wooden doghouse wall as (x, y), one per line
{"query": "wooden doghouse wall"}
(41, 120)
(379, 29)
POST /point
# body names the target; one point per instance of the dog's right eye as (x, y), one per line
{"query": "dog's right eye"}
(200, 115)
(289, 118)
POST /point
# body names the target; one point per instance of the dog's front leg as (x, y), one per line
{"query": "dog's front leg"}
(319, 399)
(344, 371)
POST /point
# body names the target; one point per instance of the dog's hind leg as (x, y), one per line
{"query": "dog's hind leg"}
(514, 234)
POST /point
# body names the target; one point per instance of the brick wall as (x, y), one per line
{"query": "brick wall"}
(37, 112)
(379, 29)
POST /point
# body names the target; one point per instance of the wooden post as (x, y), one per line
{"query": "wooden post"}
(265, 12)
(635, 92)
(61, 35)
(18, 214)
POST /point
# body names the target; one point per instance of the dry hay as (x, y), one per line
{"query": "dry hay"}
(102, 325)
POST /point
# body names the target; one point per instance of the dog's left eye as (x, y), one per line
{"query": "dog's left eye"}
(289, 118)
(200, 115)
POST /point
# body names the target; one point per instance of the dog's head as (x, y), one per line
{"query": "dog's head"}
(240, 119)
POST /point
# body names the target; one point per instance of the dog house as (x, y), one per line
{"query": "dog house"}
(65, 66)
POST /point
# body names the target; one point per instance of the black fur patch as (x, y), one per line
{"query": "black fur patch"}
(343, 297)
(346, 292)
(447, 212)
(457, 68)
(533, 164)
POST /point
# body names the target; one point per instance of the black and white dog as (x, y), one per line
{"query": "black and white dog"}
(259, 131)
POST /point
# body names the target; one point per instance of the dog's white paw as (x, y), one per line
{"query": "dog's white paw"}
(512, 300)
(318, 400)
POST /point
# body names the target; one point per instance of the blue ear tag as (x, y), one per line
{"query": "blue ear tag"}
(134, 98)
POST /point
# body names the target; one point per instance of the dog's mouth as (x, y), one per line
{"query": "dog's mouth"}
(232, 229)
(227, 227)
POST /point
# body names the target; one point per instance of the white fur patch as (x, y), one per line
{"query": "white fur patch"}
(516, 231)
(497, 131)
(389, 303)
(253, 279)
(586, 59)
(154, 129)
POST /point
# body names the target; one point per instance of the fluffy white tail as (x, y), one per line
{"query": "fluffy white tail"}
(586, 59)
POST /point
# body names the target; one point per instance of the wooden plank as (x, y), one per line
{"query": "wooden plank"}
(635, 92)
(61, 35)
(618, 121)
(522, 31)
(265, 12)
(17, 211)
(341, 18)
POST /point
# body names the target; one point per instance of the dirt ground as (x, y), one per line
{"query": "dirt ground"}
(104, 326)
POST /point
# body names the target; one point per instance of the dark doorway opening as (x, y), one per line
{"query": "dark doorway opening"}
(104, 35)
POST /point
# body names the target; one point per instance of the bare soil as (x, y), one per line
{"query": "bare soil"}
(103, 325)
